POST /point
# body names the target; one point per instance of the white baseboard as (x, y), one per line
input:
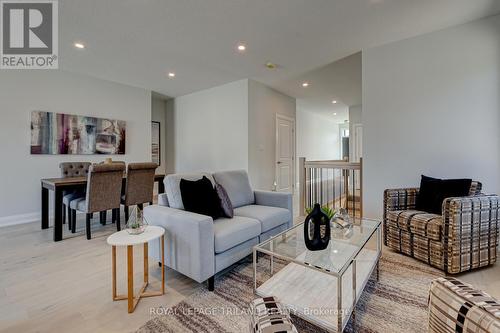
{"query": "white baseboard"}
(19, 219)
(7, 221)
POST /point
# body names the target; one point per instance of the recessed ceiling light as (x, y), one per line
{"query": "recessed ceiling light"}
(334, 102)
(270, 65)
(171, 74)
(241, 47)
(335, 113)
(305, 84)
(79, 45)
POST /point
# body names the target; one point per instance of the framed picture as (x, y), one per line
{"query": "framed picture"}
(155, 142)
(59, 133)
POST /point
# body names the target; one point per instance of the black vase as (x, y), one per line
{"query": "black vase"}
(319, 220)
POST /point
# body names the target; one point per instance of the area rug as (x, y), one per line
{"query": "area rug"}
(395, 303)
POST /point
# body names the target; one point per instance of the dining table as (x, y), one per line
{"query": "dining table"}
(60, 185)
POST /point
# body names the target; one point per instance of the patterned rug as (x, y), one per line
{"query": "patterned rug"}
(396, 303)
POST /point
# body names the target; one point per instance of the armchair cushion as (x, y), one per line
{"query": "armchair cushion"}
(270, 217)
(231, 232)
(427, 225)
(417, 222)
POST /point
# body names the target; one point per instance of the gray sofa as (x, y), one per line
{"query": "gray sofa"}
(199, 247)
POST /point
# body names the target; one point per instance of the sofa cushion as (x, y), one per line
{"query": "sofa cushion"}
(172, 187)
(417, 222)
(270, 217)
(237, 186)
(231, 232)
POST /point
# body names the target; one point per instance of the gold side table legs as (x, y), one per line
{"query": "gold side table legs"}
(130, 297)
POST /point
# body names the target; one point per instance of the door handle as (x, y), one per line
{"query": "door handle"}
(279, 162)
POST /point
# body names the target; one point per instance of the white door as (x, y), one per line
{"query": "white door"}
(285, 153)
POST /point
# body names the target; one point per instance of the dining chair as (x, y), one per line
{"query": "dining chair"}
(72, 169)
(139, 185)
(104, 187)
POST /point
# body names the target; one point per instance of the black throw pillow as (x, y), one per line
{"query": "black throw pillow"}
(200, 197)
(434, 191)
(428, 195)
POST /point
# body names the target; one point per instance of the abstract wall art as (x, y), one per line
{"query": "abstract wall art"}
(58, 133)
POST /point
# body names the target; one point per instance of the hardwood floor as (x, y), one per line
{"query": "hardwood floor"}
(66, 286)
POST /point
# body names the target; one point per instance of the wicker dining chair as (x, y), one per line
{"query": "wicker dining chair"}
(139, 186)
(103, 193)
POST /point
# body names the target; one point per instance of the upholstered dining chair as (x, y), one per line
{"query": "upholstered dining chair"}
(104, 187)
(139, 186)
(72, 169)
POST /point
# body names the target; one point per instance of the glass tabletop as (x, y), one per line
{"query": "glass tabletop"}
(341, 250)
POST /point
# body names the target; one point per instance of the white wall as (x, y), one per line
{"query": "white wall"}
(264, 104)
(56, 91)
(170, 136)
(211, 129)
(317, 137)
(431, 106)
(158, 113)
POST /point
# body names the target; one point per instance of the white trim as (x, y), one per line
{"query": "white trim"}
(19, 219)
(10, 220)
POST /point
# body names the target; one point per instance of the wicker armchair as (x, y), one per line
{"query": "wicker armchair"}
(464, 237)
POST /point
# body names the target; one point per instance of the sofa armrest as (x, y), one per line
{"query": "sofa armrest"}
(276, 199)
(189, 241)
(163, 200)
(470, 232)
(449, 297)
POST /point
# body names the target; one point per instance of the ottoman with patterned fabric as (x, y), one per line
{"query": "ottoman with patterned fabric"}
(267, 315)
(458, 307)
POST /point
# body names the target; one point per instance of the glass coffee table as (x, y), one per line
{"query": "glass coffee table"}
(321, 287)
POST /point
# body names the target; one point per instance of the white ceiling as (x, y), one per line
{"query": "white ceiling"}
(136, 42)
(339, 81)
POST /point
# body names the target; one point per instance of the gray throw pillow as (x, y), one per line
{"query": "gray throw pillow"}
(225, 202)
